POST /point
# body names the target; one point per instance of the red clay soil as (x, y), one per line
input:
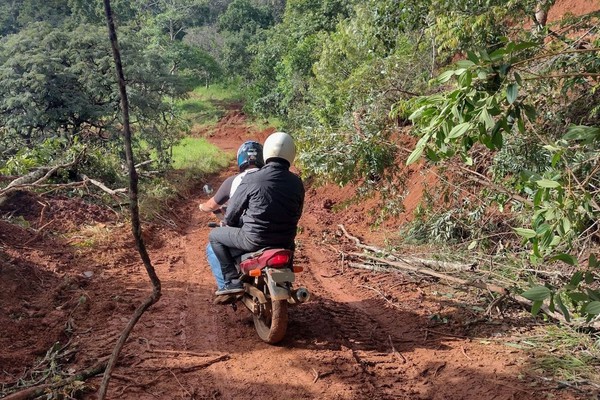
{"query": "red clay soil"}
(73, 276)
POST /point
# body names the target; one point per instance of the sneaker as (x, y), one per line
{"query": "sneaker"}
(231, 288)
(227, 298)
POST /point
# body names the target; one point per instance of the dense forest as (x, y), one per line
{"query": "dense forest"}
(487, 91)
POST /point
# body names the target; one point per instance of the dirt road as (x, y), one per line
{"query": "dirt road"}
(363, 335)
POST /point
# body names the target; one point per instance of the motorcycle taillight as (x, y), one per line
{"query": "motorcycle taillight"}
(279, 260)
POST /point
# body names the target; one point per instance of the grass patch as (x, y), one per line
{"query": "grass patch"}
(217, 92)
(566, 354)
(193, 159)
(271, 122)
(199, 154)
(205, 106)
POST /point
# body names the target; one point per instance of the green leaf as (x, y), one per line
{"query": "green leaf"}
(582, 132)
(542, 229)
(486, 118)
(465, 79)
(472, 56)
(578, 297)
(548, 183)
(497, 136)
(593, 294)
(563, 309)
(518, 79)
(415, 155)
(535, 308)
(566, 258)
(432, 155)
(525, 45)
(526, 233)
(445, 76)
(538, 197)
(511, 93)
(593, 261)
(530, 112)
(592, 307)
(498, 53)
(459, 130)
(537, 293)
(576, 279)
(521, 125)
(464, 63)
(589, 277)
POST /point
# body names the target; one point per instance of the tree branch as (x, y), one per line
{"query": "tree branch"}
(133, 204)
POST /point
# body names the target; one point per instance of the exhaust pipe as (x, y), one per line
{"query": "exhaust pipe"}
(300, 295)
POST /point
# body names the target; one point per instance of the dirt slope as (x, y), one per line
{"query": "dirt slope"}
(363, 335)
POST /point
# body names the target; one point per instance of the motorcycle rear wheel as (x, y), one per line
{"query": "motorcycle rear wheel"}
(271, 329)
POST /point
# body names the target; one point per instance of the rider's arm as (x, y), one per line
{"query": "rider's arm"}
(220, 198)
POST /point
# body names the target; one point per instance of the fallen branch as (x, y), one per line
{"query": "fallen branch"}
(34, 178)
(395, 352)
(504, 292)
(40, 390)
(112, 192)
(430, 272)
(410, 259)
(477, 284)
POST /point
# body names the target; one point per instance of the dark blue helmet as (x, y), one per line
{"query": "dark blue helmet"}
(250, 153)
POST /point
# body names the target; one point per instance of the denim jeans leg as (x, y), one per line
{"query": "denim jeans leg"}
(222, 240)
(215, 266)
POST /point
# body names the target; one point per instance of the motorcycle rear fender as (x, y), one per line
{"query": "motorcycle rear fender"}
(276, 277)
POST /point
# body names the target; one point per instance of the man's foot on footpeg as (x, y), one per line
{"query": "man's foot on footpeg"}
(227, 298)
(231, 288)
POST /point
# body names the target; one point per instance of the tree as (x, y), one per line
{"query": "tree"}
(57, 83)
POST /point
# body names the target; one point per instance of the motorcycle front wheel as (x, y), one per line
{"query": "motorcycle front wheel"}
(271, 323)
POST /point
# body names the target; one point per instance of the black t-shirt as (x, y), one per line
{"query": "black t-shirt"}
(224, 190)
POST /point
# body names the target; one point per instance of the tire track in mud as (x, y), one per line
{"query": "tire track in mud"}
(342, 318)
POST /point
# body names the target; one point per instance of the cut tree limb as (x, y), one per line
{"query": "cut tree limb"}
(410, 259)
(430, 272)
(463, 282)
(40, 390)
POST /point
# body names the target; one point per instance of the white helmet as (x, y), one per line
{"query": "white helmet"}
(280, 145)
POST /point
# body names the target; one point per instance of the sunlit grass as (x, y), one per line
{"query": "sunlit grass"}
(206, 105)
(264, 123)
(199, 154)
(218, 92)
(566, 354)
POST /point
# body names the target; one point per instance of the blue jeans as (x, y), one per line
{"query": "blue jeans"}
(225, 241)
(215, 266)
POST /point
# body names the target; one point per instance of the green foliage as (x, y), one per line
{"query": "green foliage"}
(244, 15)
(205, 105)
(56, 83)
(580, 297)
(335, 87)
(466, 25)
(492, 100)
(283, 56)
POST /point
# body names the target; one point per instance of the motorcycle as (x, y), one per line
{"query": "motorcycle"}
(268, 276)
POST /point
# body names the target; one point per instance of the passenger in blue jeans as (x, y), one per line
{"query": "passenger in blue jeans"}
(249, 158)
(263, 212)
